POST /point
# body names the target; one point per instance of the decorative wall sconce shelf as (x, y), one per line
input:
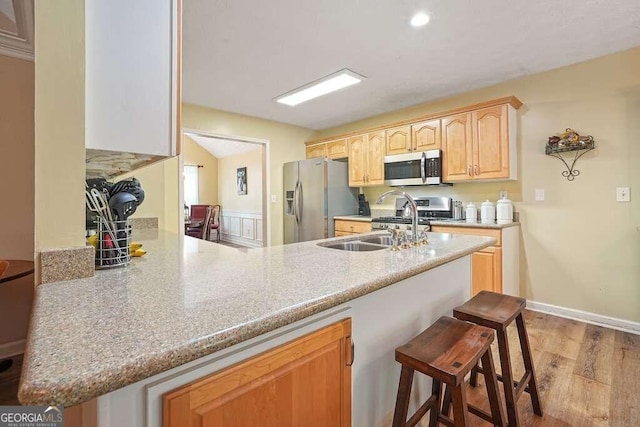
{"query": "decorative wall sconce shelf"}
(569, 141)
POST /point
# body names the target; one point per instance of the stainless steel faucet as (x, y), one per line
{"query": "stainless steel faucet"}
(412, 205)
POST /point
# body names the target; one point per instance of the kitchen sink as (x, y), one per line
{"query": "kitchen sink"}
(378, 240)
(353, 246)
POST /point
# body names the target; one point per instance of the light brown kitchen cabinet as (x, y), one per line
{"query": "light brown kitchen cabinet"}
(314, 151)
(486, 273)
(366, 159)
(478, 142)
(486, 264)
(398, 140)
(306, 382)
(479, 145)
(426, 135)
(490, 127)
(345, 227)
(457, 148)
(333, 150)
(337, 149)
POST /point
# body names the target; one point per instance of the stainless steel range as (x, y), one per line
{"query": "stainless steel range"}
(429, 208)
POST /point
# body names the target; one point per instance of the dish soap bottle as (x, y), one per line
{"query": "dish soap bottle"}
(488, 213)
(504, 211)
(471, 213)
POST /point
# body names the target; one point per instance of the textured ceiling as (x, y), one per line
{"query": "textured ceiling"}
(220, 148)
(239, 54)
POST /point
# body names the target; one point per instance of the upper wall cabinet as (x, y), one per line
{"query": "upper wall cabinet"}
(366, 159)
(398, 140)
(132, 97)
(416, 137)
(480, 144)
(333, 150)
(426, 135)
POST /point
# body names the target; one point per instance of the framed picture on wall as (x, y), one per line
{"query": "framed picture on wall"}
(241, 179)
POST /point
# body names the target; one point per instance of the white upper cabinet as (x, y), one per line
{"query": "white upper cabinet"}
(132, 76)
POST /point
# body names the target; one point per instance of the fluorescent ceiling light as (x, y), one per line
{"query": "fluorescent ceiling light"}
(331, 83)
(419, 19)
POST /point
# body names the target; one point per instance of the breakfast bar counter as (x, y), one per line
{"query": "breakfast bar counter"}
(189, 299)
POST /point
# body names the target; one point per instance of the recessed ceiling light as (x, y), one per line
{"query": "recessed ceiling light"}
(323, 86)
(419, 19)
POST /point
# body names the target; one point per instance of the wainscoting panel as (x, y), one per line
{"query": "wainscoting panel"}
(243, 228)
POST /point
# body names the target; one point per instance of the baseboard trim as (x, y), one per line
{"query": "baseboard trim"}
(241, 241)
(11, 349)
(585, 316)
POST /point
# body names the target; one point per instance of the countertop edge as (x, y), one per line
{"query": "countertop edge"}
(360, 218)
(85, 389)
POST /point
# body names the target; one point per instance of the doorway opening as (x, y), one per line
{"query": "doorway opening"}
(233, 172)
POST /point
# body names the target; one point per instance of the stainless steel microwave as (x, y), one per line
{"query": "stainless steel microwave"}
(418, 168)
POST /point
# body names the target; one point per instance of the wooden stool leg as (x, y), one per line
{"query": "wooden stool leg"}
(402, 401)
(507, 378)
(460, 409)
(436, 390)
(528, 364)
(497, 411)
(446, 401)
(473, 381)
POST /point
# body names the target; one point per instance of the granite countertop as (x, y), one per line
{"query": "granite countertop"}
(477, 224)
(354, 218)
(188, 298)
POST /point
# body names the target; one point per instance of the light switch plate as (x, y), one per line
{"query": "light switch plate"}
(273, 198)
(539, 194)
(623, 194)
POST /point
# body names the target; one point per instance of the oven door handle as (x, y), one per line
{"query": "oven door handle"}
(423, 167)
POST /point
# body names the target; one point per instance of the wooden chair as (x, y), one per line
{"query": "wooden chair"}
(498, 311)
(198, 213)
(215, 221)
(447, 351)
(4, 265)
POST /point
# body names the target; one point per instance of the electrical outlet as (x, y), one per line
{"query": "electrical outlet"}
(503, 194)
(623, 194)
(273, 198)
(539, 194)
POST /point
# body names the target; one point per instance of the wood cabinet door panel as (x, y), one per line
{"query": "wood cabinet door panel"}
(426, 135)
(357, 148)
(304, 382)
(314, 151)
(486, 270)
(337, 149)
(457, 147)
(375, 158)
(352, 226)
(398, 140)
(490, 143)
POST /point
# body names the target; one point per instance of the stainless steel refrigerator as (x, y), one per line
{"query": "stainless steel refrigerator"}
(315, 191)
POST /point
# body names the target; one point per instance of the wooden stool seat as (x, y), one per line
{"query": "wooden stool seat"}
(447, 351)
(498, 311)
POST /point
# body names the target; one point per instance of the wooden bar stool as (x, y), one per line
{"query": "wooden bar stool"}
(446, 351)
(497, 311)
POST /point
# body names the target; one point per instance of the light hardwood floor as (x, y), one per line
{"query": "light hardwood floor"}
(587, 375)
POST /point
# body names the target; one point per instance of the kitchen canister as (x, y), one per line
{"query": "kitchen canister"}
(487, 213)
(504, 211)
(471, 213)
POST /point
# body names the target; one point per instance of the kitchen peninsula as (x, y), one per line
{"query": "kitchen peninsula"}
(192, 308)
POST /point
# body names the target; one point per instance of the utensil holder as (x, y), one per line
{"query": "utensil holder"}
(112, 249)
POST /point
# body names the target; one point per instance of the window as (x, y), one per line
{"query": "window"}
(190, 185)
